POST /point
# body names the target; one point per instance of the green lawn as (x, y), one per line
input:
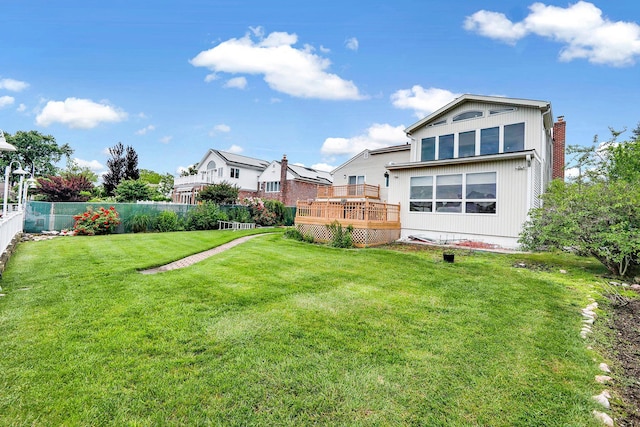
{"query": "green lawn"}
(276, 332)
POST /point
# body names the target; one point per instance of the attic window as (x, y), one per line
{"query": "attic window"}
(502, 110)
(439, 122)
(467, 115)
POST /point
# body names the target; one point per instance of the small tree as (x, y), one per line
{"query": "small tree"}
(132, 191)
(191, 170)
(600, 219)
(122, 165)
(70, 188)
(222, 193)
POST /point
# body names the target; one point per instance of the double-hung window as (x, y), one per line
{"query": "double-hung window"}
(421, 194)
(449, 193)
(481, 193)
(235, 173)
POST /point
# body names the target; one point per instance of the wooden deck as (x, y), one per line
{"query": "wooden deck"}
(366, 191)
(363, 214)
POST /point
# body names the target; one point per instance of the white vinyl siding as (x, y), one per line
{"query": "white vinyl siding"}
(510, 198)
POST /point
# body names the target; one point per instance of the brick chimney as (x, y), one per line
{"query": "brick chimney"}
(558, 148)
(284, 167)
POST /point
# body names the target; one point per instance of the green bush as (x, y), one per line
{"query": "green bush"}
(205, 217)
(222, 193)
(168, 221)
(239, 214)
(294, 233)
(341, 237)
(139, 223)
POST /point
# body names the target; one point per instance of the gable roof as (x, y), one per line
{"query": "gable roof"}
(383, 150)
(516, 102)
(237, 160)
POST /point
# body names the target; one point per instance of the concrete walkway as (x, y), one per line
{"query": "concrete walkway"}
(185, 262)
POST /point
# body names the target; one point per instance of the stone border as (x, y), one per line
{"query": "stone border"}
(190, 260)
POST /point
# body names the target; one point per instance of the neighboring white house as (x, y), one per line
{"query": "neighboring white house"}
(219, 166)
(369, 167)
(476, 167)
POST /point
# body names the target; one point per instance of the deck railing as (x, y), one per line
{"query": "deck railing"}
(345, 191)
(367, 214)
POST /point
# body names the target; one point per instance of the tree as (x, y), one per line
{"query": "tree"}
(624, 161)
(130, 190)
(73, 169)
(35, 152)
(222, 193)
(191, 170)
(599, 213)
(72, 188)
(131, 170)
(121, 167)
(601, 219)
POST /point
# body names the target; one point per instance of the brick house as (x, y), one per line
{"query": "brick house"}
(290, 183)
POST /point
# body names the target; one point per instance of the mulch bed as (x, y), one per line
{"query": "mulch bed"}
(627, 352)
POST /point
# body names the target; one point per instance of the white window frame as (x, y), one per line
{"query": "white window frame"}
(463, 200)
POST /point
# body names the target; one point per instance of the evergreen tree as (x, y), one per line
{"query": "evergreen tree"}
(122, 165)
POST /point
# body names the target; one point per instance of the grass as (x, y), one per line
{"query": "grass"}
(278, 332)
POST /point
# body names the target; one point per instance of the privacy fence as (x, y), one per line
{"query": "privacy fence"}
(48, 216)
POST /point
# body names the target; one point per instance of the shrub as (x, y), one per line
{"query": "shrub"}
(139, 223)
(601, 219)
(222, 193)
(341, 237)
(205, 217)
(132, 190)
(239, 214)
(168, 221)
(265, 212)
(102, 221)
(294, 233)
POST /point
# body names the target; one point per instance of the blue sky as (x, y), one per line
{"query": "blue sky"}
(318, 81)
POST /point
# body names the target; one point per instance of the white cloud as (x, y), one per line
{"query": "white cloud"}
(13, 85)
(211, 77)
(235, 149)
(580, 27)
(79, 113)
(21, 108)
(221, 128)
(352, 43)
(144, 130)
(296, 72)
(93, 165)
(422, 101)
(166, 139)
(323, 167)
(236, 82)
(5, 101)
(377, 136)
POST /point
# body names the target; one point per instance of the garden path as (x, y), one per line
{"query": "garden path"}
(192, 259)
